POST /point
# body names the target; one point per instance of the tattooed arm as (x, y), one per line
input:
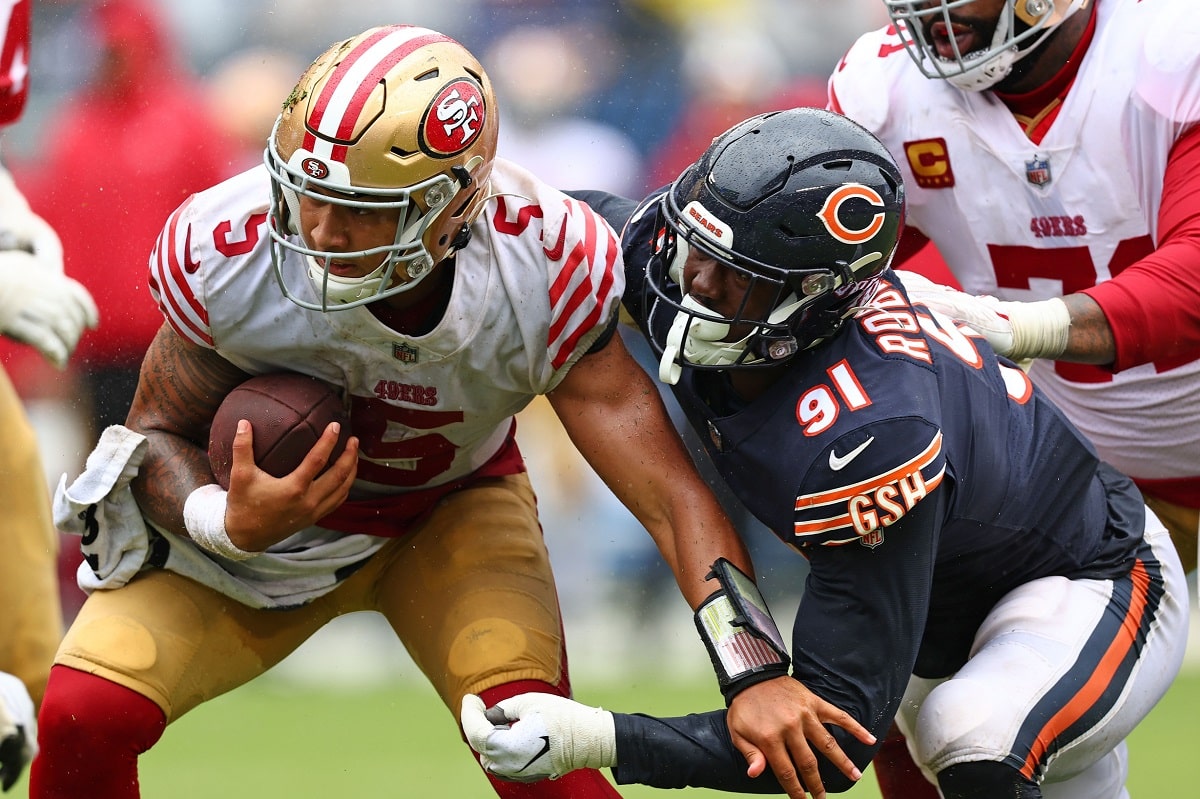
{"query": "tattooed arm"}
(179, 389)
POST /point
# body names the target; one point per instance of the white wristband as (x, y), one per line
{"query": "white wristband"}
(204, 518)
(1039, 329)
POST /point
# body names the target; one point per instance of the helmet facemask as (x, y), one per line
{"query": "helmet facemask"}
(406, 260)
(398, 118)
(1021, 27)
(700, 338)
(805, 206)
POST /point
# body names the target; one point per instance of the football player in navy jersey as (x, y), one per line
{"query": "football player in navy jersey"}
(976, 572)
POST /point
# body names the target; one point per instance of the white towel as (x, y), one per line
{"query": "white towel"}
(118, 542)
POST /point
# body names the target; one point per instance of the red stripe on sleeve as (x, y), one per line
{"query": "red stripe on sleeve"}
(14, 64)
(585, 253)
(172, 282)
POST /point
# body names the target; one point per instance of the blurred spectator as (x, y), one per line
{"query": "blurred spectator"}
(731, 70)
(543, 74)
(243, 92)
(117, 158)
(642, 95)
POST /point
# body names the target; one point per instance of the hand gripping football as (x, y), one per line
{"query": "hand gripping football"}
(287, 411)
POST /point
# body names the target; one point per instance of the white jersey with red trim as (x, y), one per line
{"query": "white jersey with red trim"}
(533, 290)
(14, 58)
(1026, 222)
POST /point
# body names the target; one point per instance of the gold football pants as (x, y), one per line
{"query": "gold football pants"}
(30, 613)
(468, 591)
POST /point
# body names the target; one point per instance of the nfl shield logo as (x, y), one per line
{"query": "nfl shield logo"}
(404, 353)
(1037, 171)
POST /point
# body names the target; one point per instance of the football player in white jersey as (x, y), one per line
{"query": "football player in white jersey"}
(383, 248)
(1053, 157)
(42, 307)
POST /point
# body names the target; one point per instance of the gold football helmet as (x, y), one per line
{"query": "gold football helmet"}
(397, 117)
(1021, 26)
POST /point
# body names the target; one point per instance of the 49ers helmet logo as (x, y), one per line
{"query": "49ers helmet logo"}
(454, 119)
(315, 167)
(831, 213)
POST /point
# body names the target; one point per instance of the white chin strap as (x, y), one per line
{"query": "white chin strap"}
(339, 290)
(701, 339)
(986, 75)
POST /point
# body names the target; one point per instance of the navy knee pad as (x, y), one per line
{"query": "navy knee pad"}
(986, 779)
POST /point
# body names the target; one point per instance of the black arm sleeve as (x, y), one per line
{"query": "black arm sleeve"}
(861, 622)
(855, 641)
(688, 751)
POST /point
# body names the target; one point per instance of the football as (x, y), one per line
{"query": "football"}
(287, 411)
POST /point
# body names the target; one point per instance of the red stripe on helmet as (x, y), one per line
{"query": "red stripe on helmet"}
(358, 101)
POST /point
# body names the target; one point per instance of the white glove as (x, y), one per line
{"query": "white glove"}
(18, 729)
(1017, 330)
(538, 736)
(22, 229)
(39, 305)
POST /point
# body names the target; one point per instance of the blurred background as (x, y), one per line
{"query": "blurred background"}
(135, 104)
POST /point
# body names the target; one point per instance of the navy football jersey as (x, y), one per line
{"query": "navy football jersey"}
(921, 475)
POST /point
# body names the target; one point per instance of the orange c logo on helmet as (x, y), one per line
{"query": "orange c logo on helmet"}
(830, 213)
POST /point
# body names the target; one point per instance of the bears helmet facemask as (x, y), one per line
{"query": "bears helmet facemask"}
(803, 200)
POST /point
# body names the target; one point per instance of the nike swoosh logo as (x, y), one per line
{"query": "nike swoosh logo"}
(189, 265)
(838, 463)
(545, 748)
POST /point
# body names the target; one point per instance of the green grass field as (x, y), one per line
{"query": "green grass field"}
(274, 738)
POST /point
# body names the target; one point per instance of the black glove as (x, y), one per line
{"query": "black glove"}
(13, 751)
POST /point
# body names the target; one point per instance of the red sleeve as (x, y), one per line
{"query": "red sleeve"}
(1153, 307)
(14, 62)
(917, 253)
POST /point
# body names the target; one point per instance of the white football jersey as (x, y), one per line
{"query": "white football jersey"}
(1026, 222)
(533, 290)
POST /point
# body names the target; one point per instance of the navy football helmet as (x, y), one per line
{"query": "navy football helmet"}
(805, 201)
